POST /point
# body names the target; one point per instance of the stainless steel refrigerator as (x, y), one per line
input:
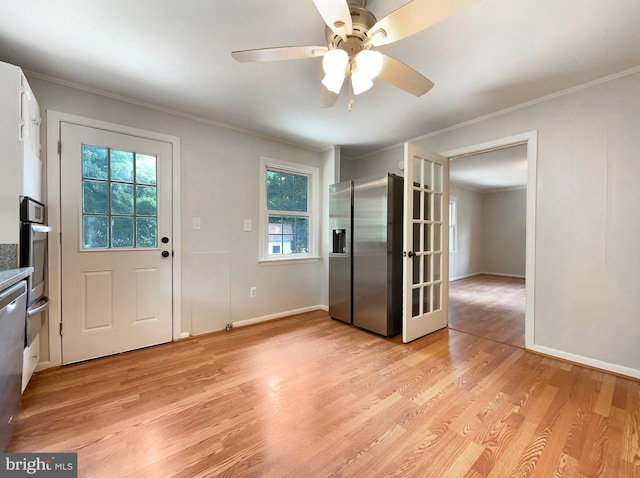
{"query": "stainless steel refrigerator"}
(365, 260)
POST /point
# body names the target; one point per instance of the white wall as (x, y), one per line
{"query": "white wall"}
(503, 225)
(220, 184)
(587, 294)
(468, 258)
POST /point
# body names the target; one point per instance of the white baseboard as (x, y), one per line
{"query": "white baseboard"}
(279, 315)
(185, 335)
(44, 365)
(515, 276)
(589, 362)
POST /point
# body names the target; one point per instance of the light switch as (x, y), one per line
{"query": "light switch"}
(197, 224)
(247, 224)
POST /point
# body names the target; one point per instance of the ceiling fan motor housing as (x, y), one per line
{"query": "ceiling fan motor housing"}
(362, 20)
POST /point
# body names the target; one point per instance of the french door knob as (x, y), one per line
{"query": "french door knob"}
(165, 253)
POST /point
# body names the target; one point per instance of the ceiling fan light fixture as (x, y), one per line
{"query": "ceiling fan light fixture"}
(360, 82)
(333, 82)
(369, 63)
(335, 62)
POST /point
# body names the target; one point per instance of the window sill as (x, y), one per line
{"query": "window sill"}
(288, 260)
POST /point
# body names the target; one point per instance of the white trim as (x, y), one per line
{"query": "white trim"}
(279, 315)
(531, 140)
(568, 91)
(467, 276)
(500, 274)
(151, 106)
(54, 120)
(582, 360)
(314, 212)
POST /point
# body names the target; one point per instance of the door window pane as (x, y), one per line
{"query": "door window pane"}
(95, 232)
(146, 171)
(95, 197)
(121, 166)
(94, 162)
(146, 201)
(119, 199)
(146, 232)
(121, 232)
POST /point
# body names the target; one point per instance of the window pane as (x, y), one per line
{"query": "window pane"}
(146, 172)
(121, 232)
(302, 225)
(275, 224)
(300, 193)
(146, 232)
(95, 197)
(274, 200)
(95, 232)
(415, 302)
(302, 244)
(121, 166)
(121, 198)
(94, 162)
(426, 300)
(273, 181)
(146, 202)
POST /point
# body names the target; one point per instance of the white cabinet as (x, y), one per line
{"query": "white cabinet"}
(20, 168)
(20, 165)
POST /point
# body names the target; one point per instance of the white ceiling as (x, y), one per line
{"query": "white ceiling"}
(176, 55)
(491, 171)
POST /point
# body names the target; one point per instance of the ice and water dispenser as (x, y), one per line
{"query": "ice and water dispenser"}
(339, 241)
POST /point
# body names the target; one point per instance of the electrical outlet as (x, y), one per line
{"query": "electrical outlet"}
(252, 292)
(247, 225)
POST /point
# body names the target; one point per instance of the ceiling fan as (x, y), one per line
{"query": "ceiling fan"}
(351, 32)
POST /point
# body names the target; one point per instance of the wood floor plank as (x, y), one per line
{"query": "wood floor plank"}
(307, 396)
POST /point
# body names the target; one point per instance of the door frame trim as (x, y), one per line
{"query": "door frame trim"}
(54, 120)
(531, 140)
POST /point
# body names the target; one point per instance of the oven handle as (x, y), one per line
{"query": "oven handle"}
(42, 304)
(40, 228)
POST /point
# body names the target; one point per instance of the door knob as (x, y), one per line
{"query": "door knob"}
(165, 253)
(165, 240)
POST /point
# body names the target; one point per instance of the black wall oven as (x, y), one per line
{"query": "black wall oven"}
(34, 235)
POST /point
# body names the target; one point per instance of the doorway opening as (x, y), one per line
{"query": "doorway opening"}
(491, 241)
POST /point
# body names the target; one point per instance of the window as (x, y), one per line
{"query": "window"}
(289, 217)
(453, 224)
(119, 199)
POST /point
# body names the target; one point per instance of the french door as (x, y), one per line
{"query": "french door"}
(116, 242)
(426, 258)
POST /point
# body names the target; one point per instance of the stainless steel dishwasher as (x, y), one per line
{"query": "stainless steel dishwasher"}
(13, 312)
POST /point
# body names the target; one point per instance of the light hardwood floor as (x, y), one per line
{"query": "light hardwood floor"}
(489, 306)
(307, 396)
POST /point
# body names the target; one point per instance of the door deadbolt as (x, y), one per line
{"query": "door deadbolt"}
(165, 253)
(165, 240)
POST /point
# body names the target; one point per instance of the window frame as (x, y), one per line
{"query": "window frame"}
(453, 224)
(313, 212)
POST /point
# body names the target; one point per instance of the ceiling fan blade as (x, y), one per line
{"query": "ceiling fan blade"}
(327, 98)
(336, 15)
(404, 77)
(280, 53)
(413, 17)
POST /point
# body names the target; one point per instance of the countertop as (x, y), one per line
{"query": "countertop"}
(11, 276)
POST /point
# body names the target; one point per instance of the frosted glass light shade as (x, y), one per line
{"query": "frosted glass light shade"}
(335, 62)
(333, 82)
(360, 82)
(369, 63)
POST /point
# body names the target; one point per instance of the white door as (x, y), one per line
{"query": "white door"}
(426, 258)
(116, 242)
